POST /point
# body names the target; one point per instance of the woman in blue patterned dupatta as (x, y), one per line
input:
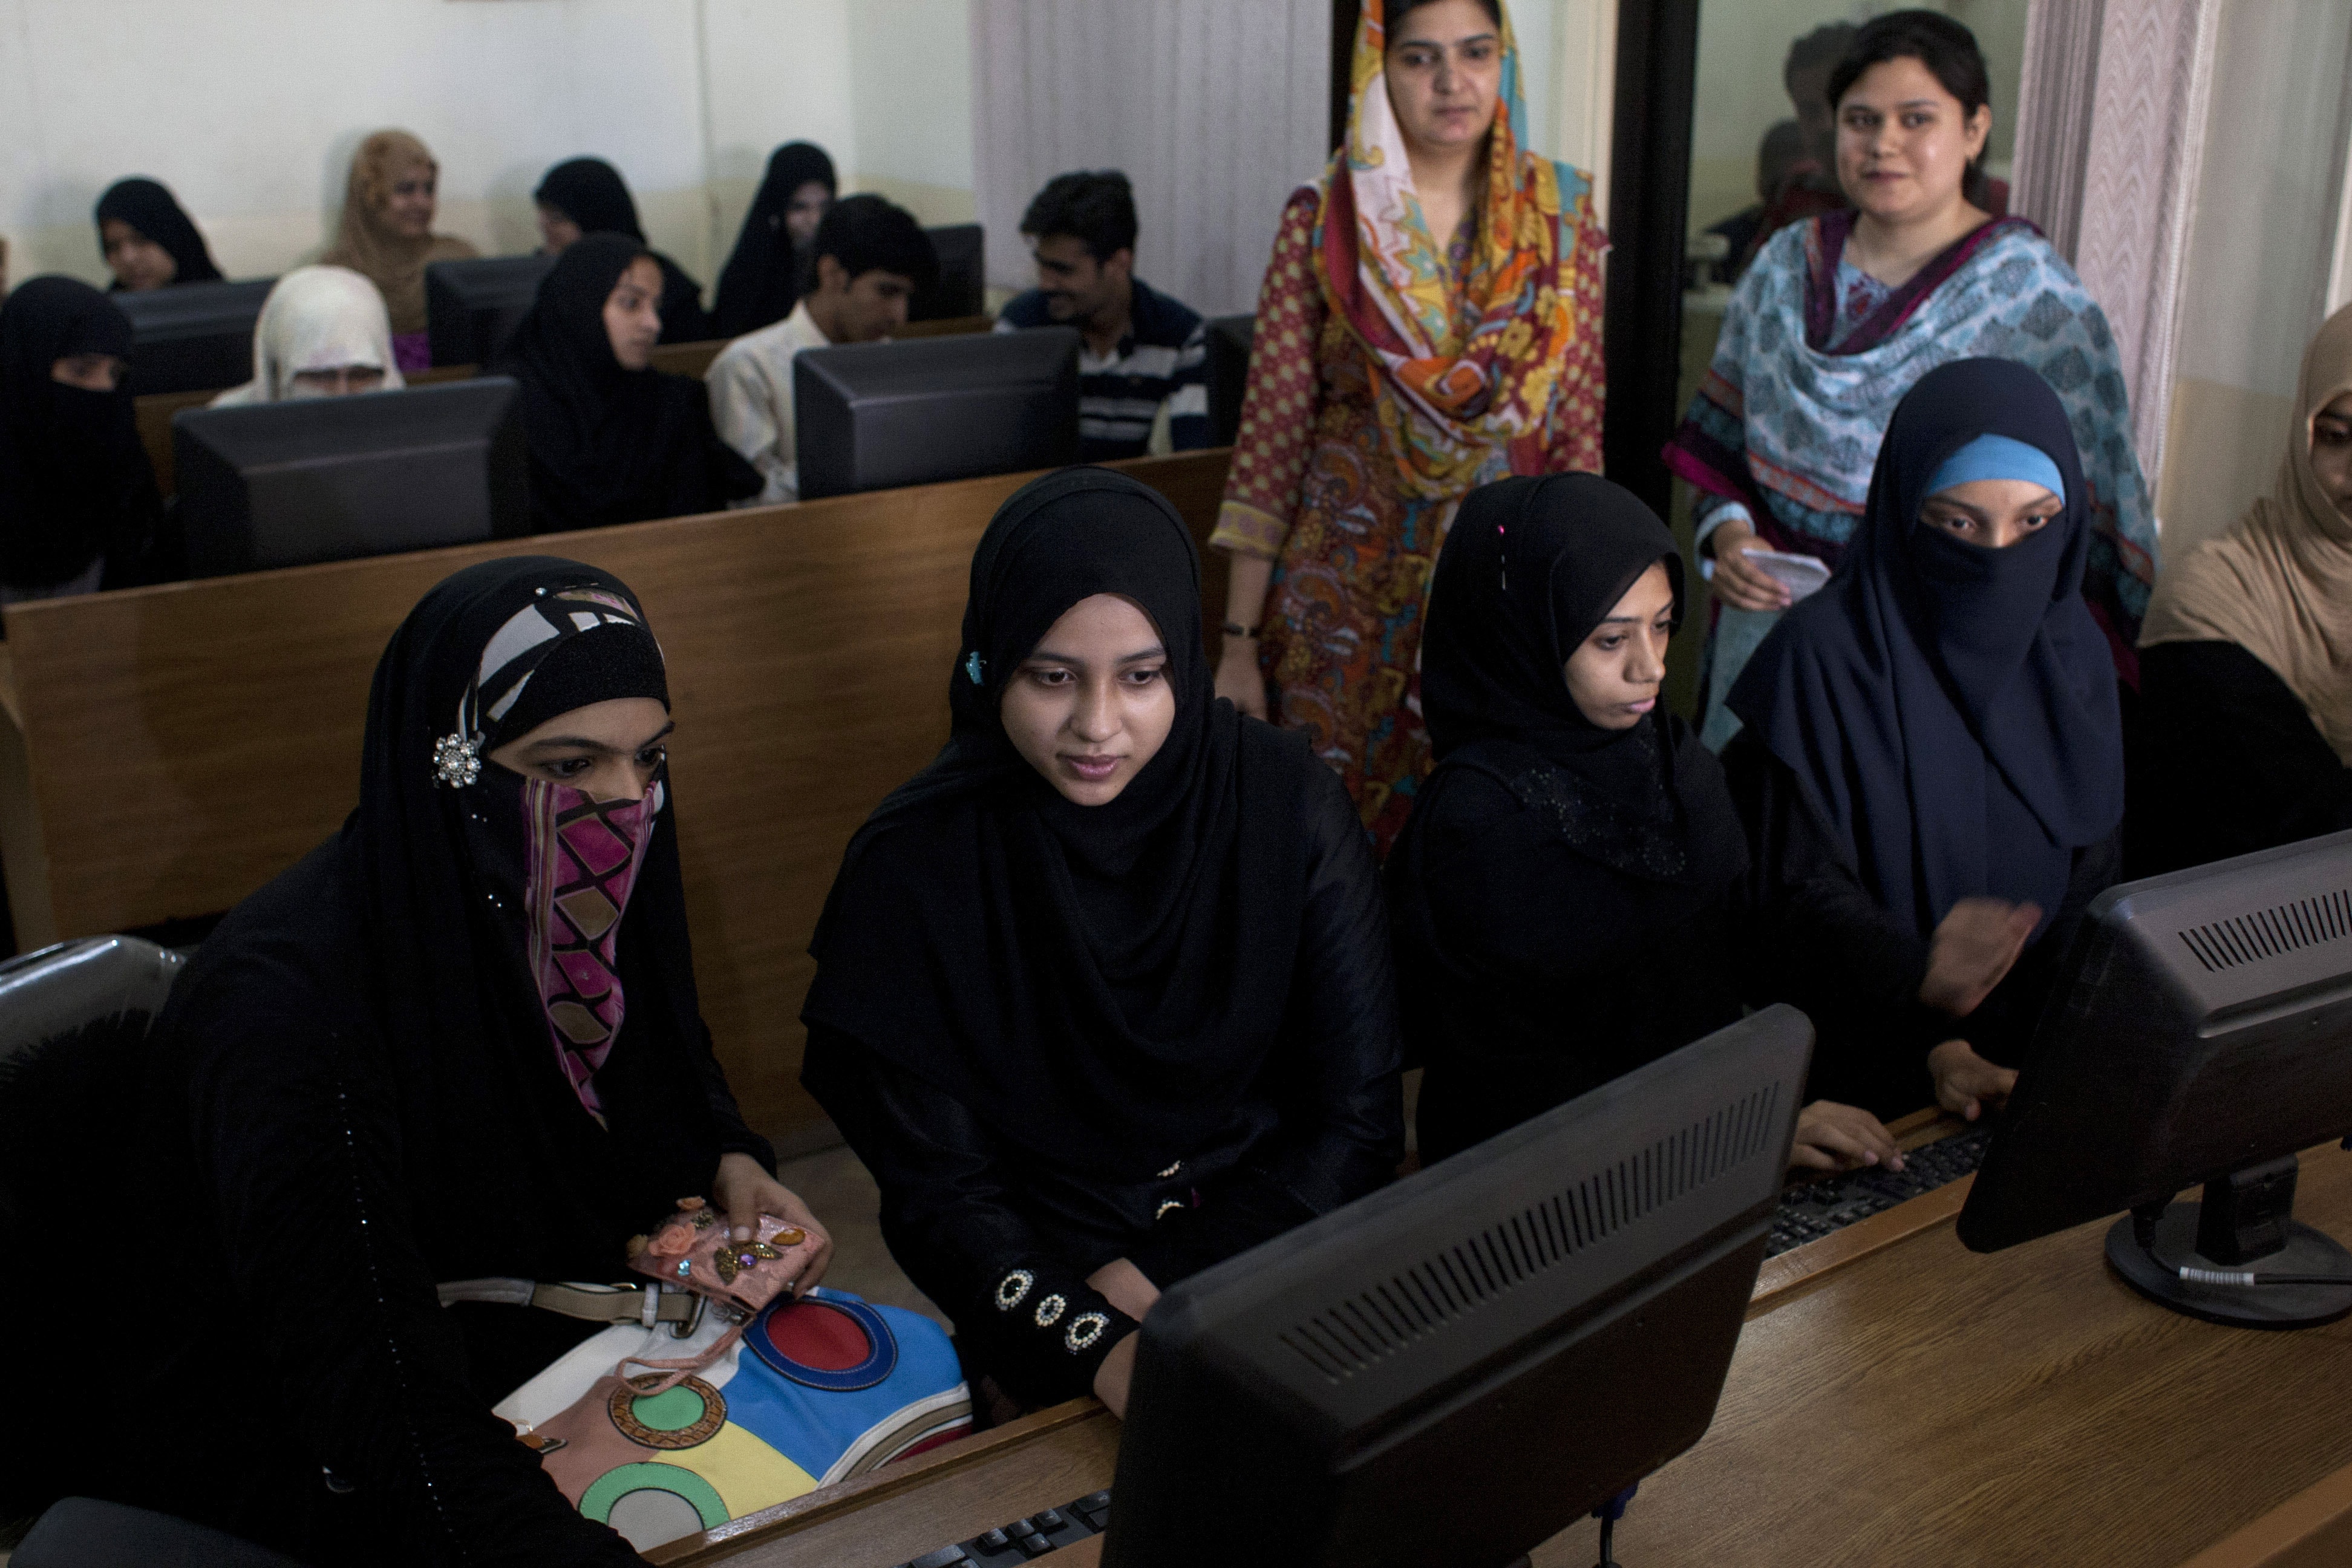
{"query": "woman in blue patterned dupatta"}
(1840, 316)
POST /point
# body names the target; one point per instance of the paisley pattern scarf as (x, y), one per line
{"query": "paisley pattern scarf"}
(583, 861)
(1473, 369)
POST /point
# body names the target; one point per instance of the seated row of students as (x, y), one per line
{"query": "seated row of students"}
(386, 234)
(1111, 991)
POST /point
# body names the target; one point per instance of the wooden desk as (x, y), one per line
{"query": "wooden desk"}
(688, 359)
(1913, 1404)
(175, 747)
(946, 327)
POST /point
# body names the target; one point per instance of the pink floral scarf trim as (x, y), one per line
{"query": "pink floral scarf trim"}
(583, 860)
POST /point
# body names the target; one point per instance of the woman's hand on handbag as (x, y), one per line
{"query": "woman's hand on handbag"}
(1239, 679)
(743, 1191)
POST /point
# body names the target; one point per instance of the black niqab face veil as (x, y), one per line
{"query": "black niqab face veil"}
(74, 480)
(1099, 983)
(488, 929)
(1952, 707)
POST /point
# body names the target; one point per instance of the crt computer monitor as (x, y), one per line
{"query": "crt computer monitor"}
(471, 307)
(2204, 1036)
(1229, 352)
(871, 416)
(193, 337)
(961, 288)
(326, 479)
(1458, 1367)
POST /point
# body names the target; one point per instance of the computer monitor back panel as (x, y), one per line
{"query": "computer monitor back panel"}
(472, 307)
(1456, 1367)
(1229, 355)
(193, 337)
(962, 287)
(878, 415)
(283, 484)
(2207, 1026)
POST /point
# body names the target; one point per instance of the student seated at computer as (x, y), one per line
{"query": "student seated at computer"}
(1103, 995)
(386, 235)
(587, 195)
(871, 257)
(2246, 658)
(611, 440)
(1569, 892)
(460, 1040)
(322, 332)
(148, 239)
(79, 507)
(1146, 354)
(1931, 773)
(763, 274)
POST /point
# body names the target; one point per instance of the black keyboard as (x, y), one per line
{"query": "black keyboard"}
(1813, 1211)
(1048, 1530)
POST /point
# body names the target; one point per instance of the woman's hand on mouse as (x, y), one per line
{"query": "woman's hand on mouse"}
(1966, 1084)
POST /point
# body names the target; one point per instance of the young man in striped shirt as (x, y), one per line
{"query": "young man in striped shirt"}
(1144, 355)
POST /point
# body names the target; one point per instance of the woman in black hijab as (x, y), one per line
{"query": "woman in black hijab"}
(149, 242)
(587, 195)
(79, 507)
(458, 1041)
(1932, 764)
(1568, 887)
(1099, 1009)
(611, 440)
(763, 278)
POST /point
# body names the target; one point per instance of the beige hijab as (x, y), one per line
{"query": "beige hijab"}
(316, 318)
(367, 244)
(2279, 584)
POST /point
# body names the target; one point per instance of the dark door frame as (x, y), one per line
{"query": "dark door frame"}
(1649, 209)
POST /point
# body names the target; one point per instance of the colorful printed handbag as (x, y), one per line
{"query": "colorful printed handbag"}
(816, 1391)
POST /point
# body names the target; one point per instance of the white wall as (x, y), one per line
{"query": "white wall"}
(250, 108)
(2253, 288)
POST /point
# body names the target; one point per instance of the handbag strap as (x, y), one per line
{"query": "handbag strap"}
(648, 1304)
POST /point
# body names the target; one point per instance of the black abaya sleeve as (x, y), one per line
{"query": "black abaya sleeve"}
(953, 1221)
(735, 1134)
(297, 1147)
(1342, 1113)
(2231, 762)
(1813, 936)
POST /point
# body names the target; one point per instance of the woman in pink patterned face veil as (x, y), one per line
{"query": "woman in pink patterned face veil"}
(458, 1042)
(1430, 321)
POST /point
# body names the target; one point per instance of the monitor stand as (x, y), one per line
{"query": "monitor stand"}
(2246, 1221)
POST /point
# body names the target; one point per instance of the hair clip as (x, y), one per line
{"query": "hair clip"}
(974, 666)
(457, 761)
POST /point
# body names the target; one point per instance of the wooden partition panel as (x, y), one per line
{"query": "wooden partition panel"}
(688, 359)
(182, 745)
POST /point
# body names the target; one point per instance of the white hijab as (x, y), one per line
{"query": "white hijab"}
(317, 318)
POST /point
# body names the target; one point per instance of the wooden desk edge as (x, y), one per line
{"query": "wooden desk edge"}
(1815, 1259)
(2310, 1529)
(875, 1486)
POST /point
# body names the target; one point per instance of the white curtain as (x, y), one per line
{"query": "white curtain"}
(1216, 109)
(2110, 136)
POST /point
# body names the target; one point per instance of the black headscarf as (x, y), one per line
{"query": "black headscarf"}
(151, 209)
(410, 924)
(74, 482)
(607, 445)
(1528, 976)
(592, 193)
(1099, 984)
(762, 276)
(1952, 708)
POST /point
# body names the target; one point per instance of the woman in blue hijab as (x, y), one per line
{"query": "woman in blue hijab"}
(1932, 770)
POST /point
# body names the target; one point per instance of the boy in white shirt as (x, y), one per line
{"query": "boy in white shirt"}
(871, 257)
